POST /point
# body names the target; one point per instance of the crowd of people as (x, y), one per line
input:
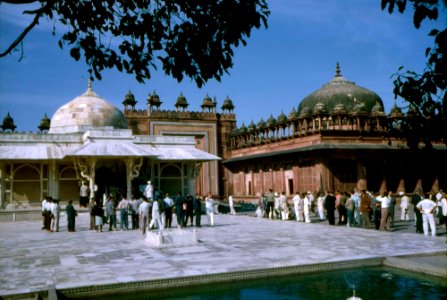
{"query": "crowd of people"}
(359, 208)
(150, 210)
(153, 209)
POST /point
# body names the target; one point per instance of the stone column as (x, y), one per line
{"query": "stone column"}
(92, 183)
(401, 186)
(53, 180)
(133, 167)
(295, 170)
(283, 179)
(261, 178)
(361, 176)
(252, 182)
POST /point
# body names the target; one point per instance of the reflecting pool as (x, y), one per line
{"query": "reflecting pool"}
(367, 283)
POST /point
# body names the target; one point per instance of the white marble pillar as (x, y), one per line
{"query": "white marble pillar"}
(133, 166)
(53, 180)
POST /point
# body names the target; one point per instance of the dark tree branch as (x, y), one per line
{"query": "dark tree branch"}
(38, 13)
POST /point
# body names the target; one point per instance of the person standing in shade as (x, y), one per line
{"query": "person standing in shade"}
(427, 207)
(83, 194)
(231, 204)
(404, 206)
(71, 216)
(329, 206)
(149, 190)
(209, 205)
(418, 216)
(169, 204)
(180, 213)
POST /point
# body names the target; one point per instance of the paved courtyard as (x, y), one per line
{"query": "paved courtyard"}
(33, 260)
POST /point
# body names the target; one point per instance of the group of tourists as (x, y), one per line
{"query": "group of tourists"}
(51, 212)
(149, 211)
(359, 208)
(155, 210)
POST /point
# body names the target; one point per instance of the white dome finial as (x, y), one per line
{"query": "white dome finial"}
(90, 92)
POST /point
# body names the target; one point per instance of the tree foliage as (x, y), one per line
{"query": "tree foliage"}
(192, 38)
(424, 91)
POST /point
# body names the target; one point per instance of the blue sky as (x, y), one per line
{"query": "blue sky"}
(280, 65)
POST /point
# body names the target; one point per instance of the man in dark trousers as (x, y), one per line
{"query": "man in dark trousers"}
(71, 216)
(415, 200)
(180, 213)
(197, 209)
(329, 206)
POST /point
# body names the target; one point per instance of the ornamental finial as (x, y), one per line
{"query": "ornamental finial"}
(337, 70)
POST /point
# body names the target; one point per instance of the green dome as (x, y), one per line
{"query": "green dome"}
(341, 91)
(261, 124)
(282, 118)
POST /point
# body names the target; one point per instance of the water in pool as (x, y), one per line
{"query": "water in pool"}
(368, 283)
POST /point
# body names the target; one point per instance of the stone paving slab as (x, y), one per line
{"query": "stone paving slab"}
(32, 259)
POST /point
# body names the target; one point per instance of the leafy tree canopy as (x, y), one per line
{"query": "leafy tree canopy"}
(424, 91)
(192, 38)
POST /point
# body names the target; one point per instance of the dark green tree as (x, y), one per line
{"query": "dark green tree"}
(425, 92)
(192, 38)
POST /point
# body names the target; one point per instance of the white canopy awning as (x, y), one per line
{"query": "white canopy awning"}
(184, 153)
(34, 152)
(114, 148)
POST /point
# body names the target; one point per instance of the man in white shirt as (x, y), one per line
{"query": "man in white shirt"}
(231, 204)
(143, 211)
(156, 217)
(296, 206)
(427, 208)
(148, 190)
(84, 194)
(384, 211)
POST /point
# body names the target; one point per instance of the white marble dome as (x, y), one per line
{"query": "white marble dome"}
(88, 111)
